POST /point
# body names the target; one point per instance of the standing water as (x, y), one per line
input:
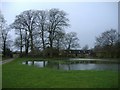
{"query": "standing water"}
(72, 66)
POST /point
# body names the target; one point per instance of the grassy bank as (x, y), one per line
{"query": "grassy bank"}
(16, 75)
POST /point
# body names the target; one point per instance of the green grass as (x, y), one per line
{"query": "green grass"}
(0, 76)
(16, 75)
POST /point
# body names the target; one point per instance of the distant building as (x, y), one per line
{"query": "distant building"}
(78, 53)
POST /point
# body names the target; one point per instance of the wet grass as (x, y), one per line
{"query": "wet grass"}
(17, 75)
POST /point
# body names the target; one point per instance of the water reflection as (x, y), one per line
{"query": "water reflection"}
(72, 66)
(90, 67)
(36, 63)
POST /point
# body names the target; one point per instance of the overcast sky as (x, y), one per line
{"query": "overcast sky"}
(87, 19)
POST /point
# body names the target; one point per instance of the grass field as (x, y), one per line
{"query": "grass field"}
(17, 75)
(0, 76)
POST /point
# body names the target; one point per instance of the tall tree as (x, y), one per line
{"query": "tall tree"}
(4, 33)
(2, 26)
(57, 20)
(4, 39)
(27, 22)
(19, 32)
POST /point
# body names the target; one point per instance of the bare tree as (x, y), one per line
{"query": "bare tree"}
(107, 38)
(26, 20)
(85, 47)
(41, 22)
(19, 32)
(4, 33)
(4, 39)
(38, 28)
(106, 43)
(59, 40)
(17, 44)
(71, 40)
(2, 27)
(57, 20)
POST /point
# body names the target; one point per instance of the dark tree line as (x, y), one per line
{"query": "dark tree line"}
(43, 30)
(108, 44)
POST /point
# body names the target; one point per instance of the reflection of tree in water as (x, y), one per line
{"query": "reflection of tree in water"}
(58, 65)
(68, 63)
(33, 63)
(53, 64)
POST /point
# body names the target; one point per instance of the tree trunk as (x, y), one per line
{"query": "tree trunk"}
(4, 49)
(26, 44)
(21, 43)
(58, 46)
(31, 37)
(43, 42)
(51, 47)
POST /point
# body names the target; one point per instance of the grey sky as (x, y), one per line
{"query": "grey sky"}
(87, 19)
